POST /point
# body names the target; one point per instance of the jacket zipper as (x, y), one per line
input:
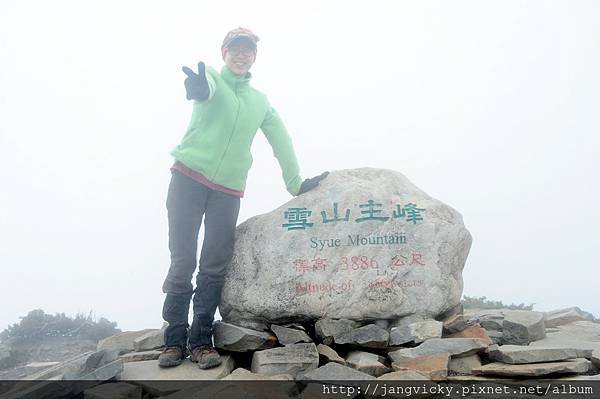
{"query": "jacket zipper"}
(237, 115)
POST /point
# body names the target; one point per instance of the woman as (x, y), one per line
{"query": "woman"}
(208, 180)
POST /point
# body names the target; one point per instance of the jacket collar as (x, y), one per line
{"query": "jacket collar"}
(235, 80)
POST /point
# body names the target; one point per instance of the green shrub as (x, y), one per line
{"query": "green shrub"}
(38, 324)
(482, 303)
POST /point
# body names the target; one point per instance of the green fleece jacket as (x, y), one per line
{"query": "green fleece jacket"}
(219, 136)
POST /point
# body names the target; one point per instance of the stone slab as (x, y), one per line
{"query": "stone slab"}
(534, 370)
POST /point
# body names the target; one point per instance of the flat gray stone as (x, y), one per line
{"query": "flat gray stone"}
(101, 365)
(101, 373)
(518, 354)
(416, 332)
(292, 359)
(464, 364)
(150, 340)
(326, 328)
(520, 327)
(451, 312)
(408, 319)
(187, 370)
(252, 324)
(335, 372)
(70, 365)
(596, 357)
(140, 356)
(434, 366)
(403, 375)
(454, 324)
(287, 336)
(585, 377)
(367, 362)
(330, 355)
(239, 339)
(490, 319)
(534, 369)
(234, 389)
(47, 389)
(123, 342)
(114, 390)
(369, 336)
(36, 365)
(579, 335)
(495, 336)
(560, 317)
(243, 374)
(454, 346)
(77, 366)
(77, 374)
(382, 323)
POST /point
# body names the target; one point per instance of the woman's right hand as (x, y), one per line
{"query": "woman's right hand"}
(196, 85)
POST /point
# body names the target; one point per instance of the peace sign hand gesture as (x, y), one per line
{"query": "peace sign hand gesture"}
(196, 85)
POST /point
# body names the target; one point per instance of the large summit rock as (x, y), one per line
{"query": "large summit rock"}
(366, 244)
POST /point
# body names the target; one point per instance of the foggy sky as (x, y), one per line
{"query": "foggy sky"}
(488, 106)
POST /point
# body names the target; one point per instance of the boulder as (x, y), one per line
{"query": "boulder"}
(520, 327)
(366, 244)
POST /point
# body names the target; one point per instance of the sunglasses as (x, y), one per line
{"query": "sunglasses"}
(241, 50)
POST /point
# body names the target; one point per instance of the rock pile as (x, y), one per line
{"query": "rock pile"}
(455, 347)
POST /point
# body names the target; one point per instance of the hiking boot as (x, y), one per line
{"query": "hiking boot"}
(206, 356)
(171, 356)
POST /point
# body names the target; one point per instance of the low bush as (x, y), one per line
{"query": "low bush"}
(38, 324)
(483, 303)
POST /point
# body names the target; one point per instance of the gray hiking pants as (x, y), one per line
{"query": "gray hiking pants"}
(188, 203)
